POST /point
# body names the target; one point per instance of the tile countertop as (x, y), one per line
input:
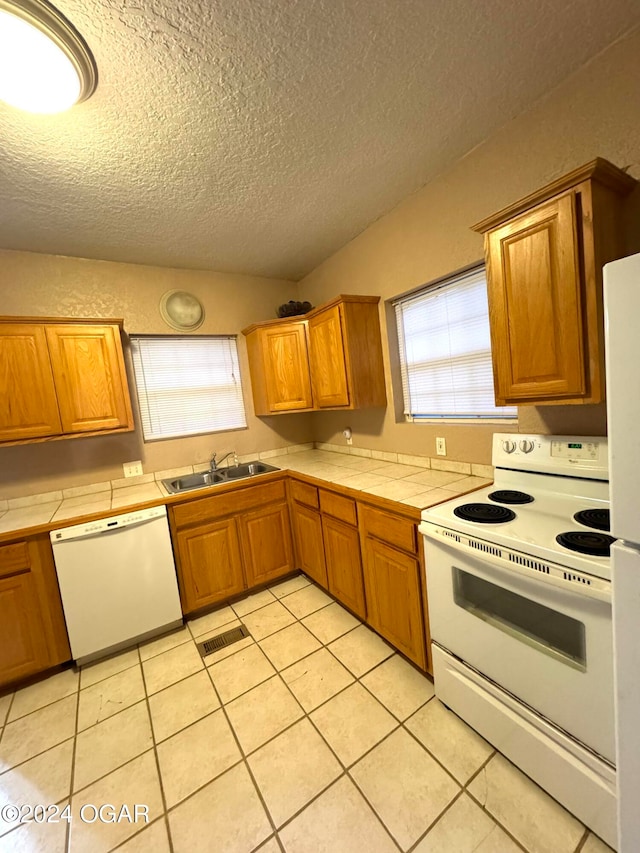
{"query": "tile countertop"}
(419, 484)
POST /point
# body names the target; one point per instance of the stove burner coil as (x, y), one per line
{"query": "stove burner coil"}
(484, 513)
(508, 496)
(596, 518)
(586, 542)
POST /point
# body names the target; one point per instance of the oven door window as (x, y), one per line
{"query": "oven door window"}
(551, 632)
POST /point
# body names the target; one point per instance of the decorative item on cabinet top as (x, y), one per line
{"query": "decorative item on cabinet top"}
(61, 378)
(331, 358)
(293, 309)
(545, 255)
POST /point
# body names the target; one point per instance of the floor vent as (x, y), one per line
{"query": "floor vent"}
(214, 644)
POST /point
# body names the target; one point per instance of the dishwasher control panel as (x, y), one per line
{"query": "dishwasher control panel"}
(104, 525)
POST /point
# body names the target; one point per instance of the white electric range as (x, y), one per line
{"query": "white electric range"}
(520, 613)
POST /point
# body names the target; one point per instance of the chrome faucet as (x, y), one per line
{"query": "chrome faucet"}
(215, 462)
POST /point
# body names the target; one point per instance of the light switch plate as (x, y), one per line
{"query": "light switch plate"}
(132, 469)
(441, 447)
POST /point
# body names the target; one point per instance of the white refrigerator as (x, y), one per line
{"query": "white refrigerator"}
(622, 352)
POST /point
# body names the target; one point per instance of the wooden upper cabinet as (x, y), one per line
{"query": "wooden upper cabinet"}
(327, 359)
(61, 379)
(345, 354)
(286, 367)
(331, 359)
(90, 377)
(279, 367)
(544, 256)
(541, 322)
(29, 406)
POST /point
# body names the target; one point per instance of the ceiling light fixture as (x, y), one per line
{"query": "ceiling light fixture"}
(45, 64)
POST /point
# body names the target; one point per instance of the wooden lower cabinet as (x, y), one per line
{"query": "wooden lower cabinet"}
(344, 566)
(266, 543)
(394, 607)
(210, 564)
(307, 532)
(33, 635)
(229, 542)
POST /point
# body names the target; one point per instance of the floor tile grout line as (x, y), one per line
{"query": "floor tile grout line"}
(8, 712)
(36, 755)
(306, 715)
(373, 809)
(40, 708)
(156, 758)
(583, 840)
(437, 820)
(61, 803)
(345, 768)
(483, 806)
(73, 767)
(244, 761)
(377, 698)
(121, 844)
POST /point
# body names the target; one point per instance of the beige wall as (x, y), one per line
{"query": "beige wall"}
(594, 113)
(49, 285)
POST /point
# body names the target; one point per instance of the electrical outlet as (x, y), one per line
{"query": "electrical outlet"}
(348, 435)
(132, 469)
(441, 447)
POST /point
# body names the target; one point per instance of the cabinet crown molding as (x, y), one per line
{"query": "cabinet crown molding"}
(599, 170)
(85, 321)
(301, 318)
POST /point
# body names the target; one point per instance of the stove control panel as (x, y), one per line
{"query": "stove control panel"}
(588, 450)
(573, 456)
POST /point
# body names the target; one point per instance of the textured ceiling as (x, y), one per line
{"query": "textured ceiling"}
(259, 136)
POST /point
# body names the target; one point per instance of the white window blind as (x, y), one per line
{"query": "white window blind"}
(445, 351)
(187, 385)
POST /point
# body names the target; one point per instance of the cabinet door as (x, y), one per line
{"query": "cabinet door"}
(29, 407)
(266, 543)
(344, 566)
(23, 649)
(286, 364)
(535, 305)
(210, 565)
(392, 585)
(23, 645)
(90, 377)
(307, 528)
(327, 360)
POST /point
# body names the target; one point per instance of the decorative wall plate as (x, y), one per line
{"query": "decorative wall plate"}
(181, 310)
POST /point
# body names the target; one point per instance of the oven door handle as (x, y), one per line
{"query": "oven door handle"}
(549, 574)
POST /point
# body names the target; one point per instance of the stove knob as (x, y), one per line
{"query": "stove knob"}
(526, 445)
(508, 446)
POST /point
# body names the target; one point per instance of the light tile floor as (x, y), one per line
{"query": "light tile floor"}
(310, 735)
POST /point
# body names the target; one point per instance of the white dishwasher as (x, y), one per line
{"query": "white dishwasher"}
(117, 580)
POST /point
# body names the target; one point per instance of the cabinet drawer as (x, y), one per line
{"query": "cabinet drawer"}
(339, 507)
(304, 493)
(14, 558)
(228, 503)
(393, 529)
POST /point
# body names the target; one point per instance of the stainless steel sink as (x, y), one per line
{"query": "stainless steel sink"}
(222, 475)
(193, 481)
(249, 469)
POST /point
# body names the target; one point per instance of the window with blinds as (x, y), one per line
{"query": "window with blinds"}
(445, 351)
(187, 385)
